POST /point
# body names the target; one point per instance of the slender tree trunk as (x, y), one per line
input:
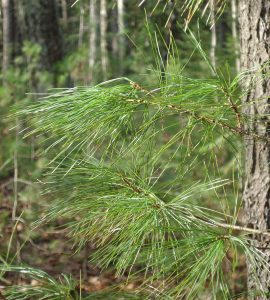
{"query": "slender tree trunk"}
(64, 12)
(41, 20)
(92, 38)
(213, 35)
(235, 35)
(121, 29)
(114, 31)
(6, 35)
(254, 17)
(103, 39)
(81, 26)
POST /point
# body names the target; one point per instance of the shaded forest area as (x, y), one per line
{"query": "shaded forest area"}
(55, 44)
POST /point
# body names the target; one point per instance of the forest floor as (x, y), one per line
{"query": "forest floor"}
(48, 248)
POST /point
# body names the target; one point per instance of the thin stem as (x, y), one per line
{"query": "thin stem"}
(15, 162)
(233, 107)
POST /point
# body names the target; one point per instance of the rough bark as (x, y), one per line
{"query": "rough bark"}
(254, 17)
(103, 38)
(6, 35)
(92, 38)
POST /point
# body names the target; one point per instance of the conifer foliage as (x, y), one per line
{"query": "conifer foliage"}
(136, 169)
(122, 154)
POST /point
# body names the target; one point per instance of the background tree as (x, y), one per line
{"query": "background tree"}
(121, 27)
(92, 38)
(213, 33)
(81, 26)
(103, 39)
(235, 34)
(6, 34)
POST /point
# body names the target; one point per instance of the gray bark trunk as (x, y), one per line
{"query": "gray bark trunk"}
(92, 38)
(235, 35)
(213, 35)
(103, 38)
(254, 17)
(121, 28)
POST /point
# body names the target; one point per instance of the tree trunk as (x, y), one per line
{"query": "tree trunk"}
(103, 39)
(6, 35)
(81, 26)
(64, 13)
(42, 27)
(92, 38)
(235, 36)
(254, 17)
(121, 29)
(213, 35)
(114, 37)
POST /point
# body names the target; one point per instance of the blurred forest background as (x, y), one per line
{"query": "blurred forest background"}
(54, 44)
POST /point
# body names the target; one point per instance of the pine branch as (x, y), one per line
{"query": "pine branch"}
(239, 130)
(205, 220)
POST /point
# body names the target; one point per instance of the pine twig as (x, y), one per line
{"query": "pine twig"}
(235, 227)
(234, 108)
(237, 130)
(140, 191)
